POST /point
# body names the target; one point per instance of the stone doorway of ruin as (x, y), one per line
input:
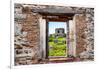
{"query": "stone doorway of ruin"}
(45, 19)
(60, 18)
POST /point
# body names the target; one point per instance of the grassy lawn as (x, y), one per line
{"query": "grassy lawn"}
(57, 48)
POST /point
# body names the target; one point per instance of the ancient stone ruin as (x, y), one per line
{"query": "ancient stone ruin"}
(30, 39)
(59, 32)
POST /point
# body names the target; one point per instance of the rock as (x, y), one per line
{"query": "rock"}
(84, 54)
(55, 41)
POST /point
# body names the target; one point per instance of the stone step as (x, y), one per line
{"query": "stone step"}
(57, 60)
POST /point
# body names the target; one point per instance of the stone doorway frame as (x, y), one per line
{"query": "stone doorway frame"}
(57, 18)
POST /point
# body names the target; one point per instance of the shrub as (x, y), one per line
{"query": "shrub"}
(57, 53)
(51, 39)
(58, 46)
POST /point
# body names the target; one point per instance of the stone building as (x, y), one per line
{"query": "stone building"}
(59, 32)
(30, 37)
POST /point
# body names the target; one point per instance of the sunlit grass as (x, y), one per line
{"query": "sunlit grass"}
(59, 48)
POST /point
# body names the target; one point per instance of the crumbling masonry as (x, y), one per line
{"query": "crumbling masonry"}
(27, 31)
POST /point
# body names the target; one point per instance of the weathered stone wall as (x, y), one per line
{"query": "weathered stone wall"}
(84, 33)
(27, 36)
(27, 31)
(80, 32)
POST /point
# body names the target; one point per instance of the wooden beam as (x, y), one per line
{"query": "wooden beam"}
(56, 14)
(58, 18)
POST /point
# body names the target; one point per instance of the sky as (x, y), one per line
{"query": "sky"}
(53, 25)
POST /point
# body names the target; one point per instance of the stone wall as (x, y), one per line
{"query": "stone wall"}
(27, 36)
(27, 31)
(85, 33)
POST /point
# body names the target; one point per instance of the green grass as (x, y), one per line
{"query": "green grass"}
(57, 53)
(59, 48)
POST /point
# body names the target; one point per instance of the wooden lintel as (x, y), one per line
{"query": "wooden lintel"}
(56, 14)
(58, 18)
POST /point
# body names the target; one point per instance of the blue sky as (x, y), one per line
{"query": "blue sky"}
(53, 25)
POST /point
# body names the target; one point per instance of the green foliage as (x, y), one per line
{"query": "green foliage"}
(59, 48)
(51, 38)
(57, 53)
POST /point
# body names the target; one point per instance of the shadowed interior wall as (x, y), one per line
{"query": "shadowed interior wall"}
(84, 33)
(80, 32)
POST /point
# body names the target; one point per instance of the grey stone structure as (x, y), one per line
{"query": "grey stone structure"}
(59, 32)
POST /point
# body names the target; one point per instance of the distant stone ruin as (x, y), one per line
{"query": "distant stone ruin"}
(59, 32)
